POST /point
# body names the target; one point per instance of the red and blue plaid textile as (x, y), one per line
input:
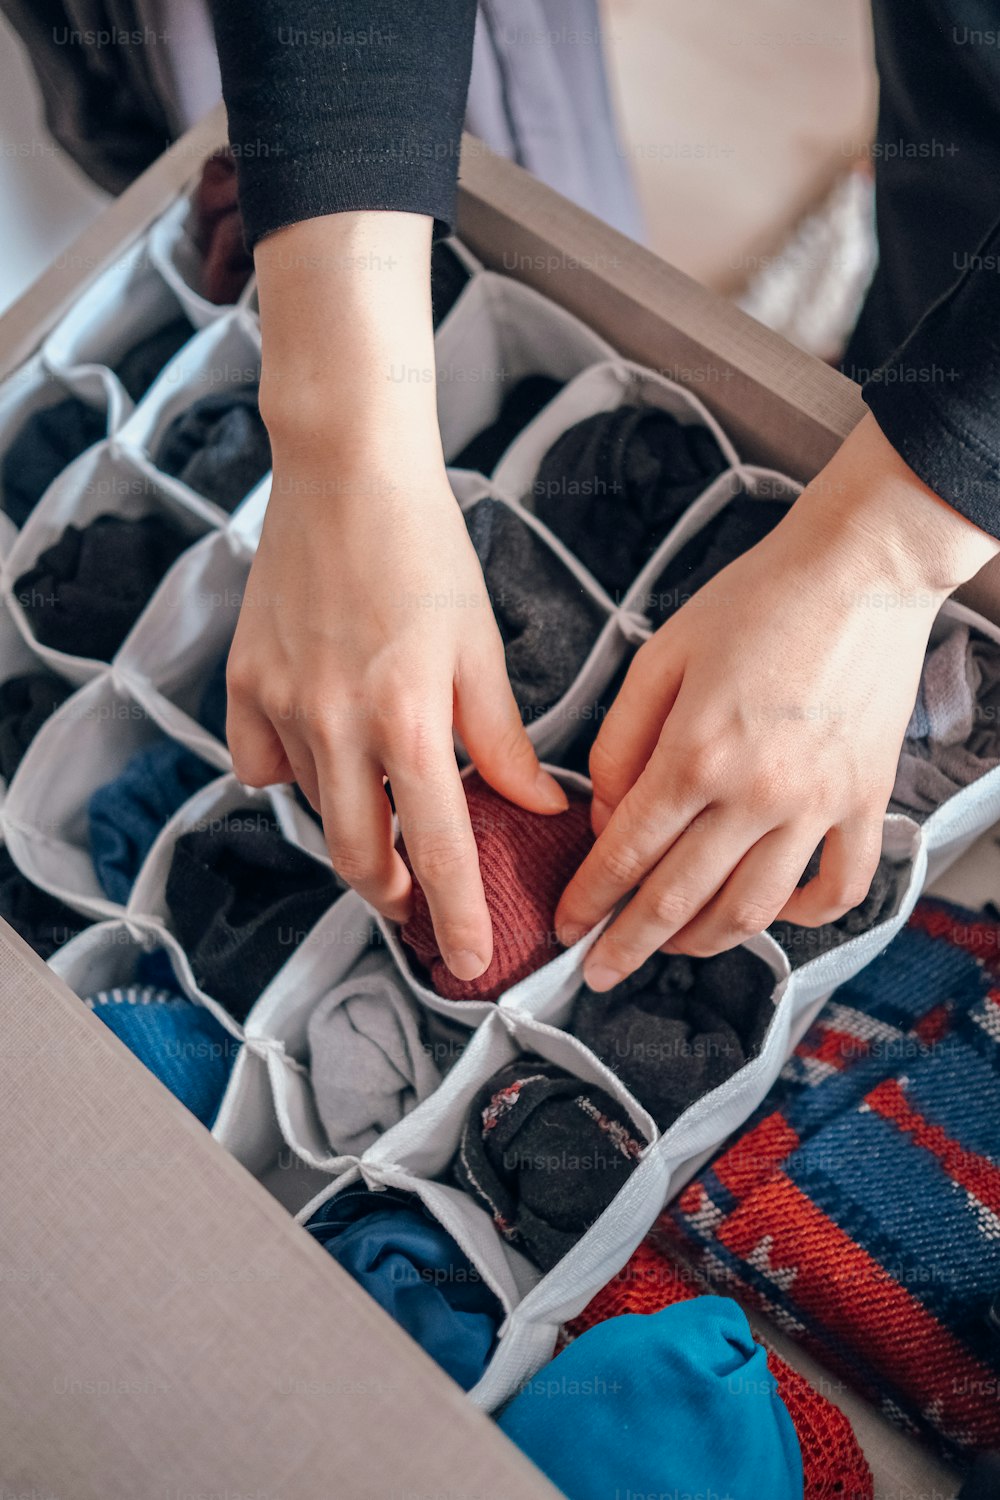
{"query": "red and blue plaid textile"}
(861, 1205)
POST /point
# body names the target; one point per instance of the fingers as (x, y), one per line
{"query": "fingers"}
(682, 884)
(357, 822)
(751, 898)
(640, 831)
(434, 818)
(848, 863)
(630, 732)
(487, 718)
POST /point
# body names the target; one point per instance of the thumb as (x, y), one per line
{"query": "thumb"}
(487, 718)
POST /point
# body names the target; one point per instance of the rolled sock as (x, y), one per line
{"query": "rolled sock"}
(612, 485)
(547, 621)
(687, 1388)
(87, 590)
(520, 406)
(44, 922)
(26, 702)
(953, 737)
(219, 446)
(214, 702)
(218, 231)
(449, 279)
(741, 525)
(544, 1153)
(140, 366)
(126, 814)
(526, 860)
(679, 1026)
(47, 443)
(367, 1058)
(242, 899)
(444, 1040)
(155, 970)
(182, 1044)
(804, 943)
(413, 1268)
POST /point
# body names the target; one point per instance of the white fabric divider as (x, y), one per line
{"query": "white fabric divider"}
(85, 744)
(173, 252)
(127, 303)
(603, 387)
(498, 332)
(103, 481)
(34, 387)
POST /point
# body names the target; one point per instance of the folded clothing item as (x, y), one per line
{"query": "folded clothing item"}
(803, 943)
(520, 406)
(860, 1203)
(526, 860)
(47, 443)
(86, 591)
(679, 1026)
(953, 737)
(402, 1257)
(218, 446)
(547, 620)
(242, 899)
(44, 922)
(544, 1153)
(691, 1390)
(612, 485)
(182, 1044)
(140, 366)
(367, 1059)
(833, 1464)
(26, 701)
(126, 814)
(743, 523)
(214, 702)
(218, 231)
(449, 279)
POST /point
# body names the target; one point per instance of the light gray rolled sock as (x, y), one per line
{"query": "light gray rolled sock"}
(369, 1062)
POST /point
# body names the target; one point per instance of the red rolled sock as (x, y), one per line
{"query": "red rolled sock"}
(526, 860)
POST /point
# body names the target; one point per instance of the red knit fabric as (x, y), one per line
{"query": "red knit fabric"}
(218, 231)
(526, 860)
(833, 1465)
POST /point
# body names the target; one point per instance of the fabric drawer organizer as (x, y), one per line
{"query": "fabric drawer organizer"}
(497, 334)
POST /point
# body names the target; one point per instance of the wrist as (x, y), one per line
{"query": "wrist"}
(870, 509)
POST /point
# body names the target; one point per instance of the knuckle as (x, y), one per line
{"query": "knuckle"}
(440, 858)
(622, 865)
(356, 864)
(606, 769)
(670, 907)
(747, 915)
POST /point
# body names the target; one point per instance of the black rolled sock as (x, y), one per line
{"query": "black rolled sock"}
(612, 485)
(214, 702)
(547, 620)
(219, 446)
(26, 702)
(804, 943)
(679, 1026)
(521, 405)
(86, 590)
(449, 279)
(242, 899)
(544, 1153)
(739, 526)
(140, 366)
(44, 922)
(47, 443)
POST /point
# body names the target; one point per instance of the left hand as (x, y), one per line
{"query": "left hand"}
(767, 715)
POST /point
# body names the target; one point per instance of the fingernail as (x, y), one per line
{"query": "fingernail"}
(466, 965)
(600, 977)
(551, 792)
(571, 933)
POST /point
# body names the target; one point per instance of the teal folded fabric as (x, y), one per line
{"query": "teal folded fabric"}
(674, 1403)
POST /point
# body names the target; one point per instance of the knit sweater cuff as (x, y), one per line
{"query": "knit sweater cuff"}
(936, 398)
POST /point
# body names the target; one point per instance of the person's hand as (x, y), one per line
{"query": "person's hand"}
(767, 715)
(366, 632)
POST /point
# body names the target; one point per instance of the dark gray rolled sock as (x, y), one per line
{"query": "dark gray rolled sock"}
(612, 485)
(679, 1026)
(521, 405)
(739, 526)
(218, 446)
(544, 1153)
(547, 621)
(47, 443)
(26, 701)
(804, 943)
(42, 920)
(140, 366)
(449, 279)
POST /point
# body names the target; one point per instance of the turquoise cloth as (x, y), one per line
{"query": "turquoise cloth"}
(674, 1403)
